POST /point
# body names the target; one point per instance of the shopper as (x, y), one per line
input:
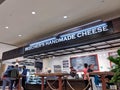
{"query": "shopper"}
(17, 78)
(13, 76)
(24, 77)
(6, 78)
(86, 77)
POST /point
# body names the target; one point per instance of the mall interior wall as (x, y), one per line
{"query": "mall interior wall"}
(3, 48)
(102, 55)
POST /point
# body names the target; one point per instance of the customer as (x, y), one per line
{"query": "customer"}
(13, 76)
(24, 77)
(6, 78)
(17, 79)
(86, 76)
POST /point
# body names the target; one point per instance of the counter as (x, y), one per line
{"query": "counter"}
(76, 84)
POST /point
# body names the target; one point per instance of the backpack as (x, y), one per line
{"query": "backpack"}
(14, 73)
(7, 74)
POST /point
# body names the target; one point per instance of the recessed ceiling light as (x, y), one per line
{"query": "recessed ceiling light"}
(6, 27)
(19, 35)
(65, 17)
(33, 12)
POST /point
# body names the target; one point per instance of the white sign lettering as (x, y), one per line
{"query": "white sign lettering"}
(70, 36)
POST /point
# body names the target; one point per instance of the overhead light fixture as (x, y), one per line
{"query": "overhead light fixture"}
(20, 35)
(65, 17)
(105, 46)
(33, 12)
(60, 51)
(98, 44)
(6, 27)
(81, 47)
(90, 48)
(70, 49)
(113, 41)
(42, 54)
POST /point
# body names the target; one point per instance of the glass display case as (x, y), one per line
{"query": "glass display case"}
(32, 79)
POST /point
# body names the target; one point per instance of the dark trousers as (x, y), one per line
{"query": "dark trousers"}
(87, 84)
(16, 83)
(23, 84)
(12, 83)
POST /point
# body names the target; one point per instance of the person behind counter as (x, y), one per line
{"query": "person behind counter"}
(73, 72)
(91, 68)
(86, 76)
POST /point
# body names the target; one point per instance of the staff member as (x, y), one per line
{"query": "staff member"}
(86, 76)
(73, 72)
(91, 68)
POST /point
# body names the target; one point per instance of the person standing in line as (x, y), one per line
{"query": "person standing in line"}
(86, 76)
(6, 78)
(24, 77)
(17, 79)
(14, 74)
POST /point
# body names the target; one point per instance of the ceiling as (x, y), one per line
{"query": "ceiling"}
(18, 26)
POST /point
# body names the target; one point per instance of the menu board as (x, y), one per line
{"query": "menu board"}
(78, 62)
(65, 64)
(57, 68)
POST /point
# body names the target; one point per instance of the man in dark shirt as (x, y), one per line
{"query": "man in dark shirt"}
(14, 74)
(24, 77)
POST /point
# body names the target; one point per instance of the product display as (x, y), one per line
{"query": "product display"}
(34, 80)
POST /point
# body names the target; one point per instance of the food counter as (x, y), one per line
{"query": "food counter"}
(77, 84)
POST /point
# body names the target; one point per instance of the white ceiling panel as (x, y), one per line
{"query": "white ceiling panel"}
(17, 16)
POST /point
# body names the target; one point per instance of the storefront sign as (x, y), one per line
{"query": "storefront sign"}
(103, 27)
